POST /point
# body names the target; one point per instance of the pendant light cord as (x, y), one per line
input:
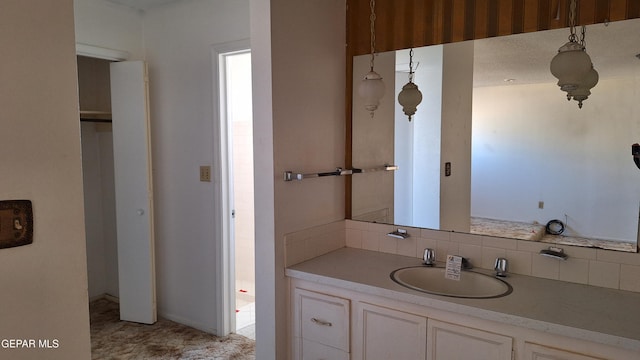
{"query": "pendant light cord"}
(572, 21)
(372, 20)
(411, 65)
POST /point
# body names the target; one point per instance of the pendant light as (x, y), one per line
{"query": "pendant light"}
(572, 65)
(371, 88)
(410, 96)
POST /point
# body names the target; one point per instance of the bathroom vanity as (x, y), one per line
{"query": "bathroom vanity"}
(344, 305)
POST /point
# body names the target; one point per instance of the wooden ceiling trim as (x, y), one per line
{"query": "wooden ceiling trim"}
(518, 17)
(413, 23)
(530, 23)
(459, 20)
(601, 12)
(587, 12)
(480, 22)
(632, 8)
(470, 20)
(505, 17)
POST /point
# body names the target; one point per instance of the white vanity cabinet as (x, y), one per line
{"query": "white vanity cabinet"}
(541, 319)
(450, 341)
(332, 323)
(381, 333)
(320, 326)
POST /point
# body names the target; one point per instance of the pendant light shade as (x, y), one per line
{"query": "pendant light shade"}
(570, 65)
(371, 90)
(584, 87)
(410, 97)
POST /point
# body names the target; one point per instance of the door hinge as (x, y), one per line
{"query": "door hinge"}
(233, 213)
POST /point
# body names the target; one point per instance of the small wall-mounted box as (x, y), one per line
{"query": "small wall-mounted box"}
(16, 223)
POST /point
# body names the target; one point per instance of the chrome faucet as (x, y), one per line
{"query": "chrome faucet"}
(501, 267)
(466, 264)
(429, 257)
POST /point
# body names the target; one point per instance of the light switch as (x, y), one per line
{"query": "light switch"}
(205, 173)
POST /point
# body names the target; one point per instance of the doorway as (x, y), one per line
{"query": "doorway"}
(236, 123)
(98, 177)
(117, 185)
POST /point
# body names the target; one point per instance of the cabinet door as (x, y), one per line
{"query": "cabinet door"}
(453, 342)
(386, 334)
(539, 352)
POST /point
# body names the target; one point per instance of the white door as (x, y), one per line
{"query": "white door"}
(133, 187)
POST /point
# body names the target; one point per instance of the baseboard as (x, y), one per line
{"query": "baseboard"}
(187, 322)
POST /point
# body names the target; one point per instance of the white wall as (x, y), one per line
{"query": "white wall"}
(427, 140)
(440, 132)
(457, 85)
(178, 42)
(531, 145)
(44, 285)
(108, 25)
(298, 98)
(99, 203)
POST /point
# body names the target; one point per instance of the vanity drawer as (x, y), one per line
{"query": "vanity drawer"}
(323, 319)
(310, 350)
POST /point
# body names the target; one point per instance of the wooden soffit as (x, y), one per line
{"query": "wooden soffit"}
(402, 24)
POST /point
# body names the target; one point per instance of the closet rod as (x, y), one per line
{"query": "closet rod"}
(290, 175)
(95, 120)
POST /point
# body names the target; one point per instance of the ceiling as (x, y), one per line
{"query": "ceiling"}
(525, 58)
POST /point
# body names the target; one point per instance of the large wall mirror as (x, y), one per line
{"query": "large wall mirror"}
(520, 155)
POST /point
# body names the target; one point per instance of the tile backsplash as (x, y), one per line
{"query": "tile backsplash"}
(604, 268)
(312, 242)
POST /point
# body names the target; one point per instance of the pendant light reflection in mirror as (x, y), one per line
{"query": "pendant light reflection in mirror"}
(572, 65)
(371, 88)
(410, 96)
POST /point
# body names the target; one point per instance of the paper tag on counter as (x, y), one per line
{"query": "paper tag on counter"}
(454, 264)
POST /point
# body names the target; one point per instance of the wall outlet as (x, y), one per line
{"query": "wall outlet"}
(205, 173)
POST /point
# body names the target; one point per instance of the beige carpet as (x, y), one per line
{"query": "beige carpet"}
(115, 339)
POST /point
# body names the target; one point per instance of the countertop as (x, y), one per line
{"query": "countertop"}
(601, 315)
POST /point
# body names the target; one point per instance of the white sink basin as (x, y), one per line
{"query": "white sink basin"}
(471, 284)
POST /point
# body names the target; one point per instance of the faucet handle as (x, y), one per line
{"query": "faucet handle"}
(429, 257)
(501, 267)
